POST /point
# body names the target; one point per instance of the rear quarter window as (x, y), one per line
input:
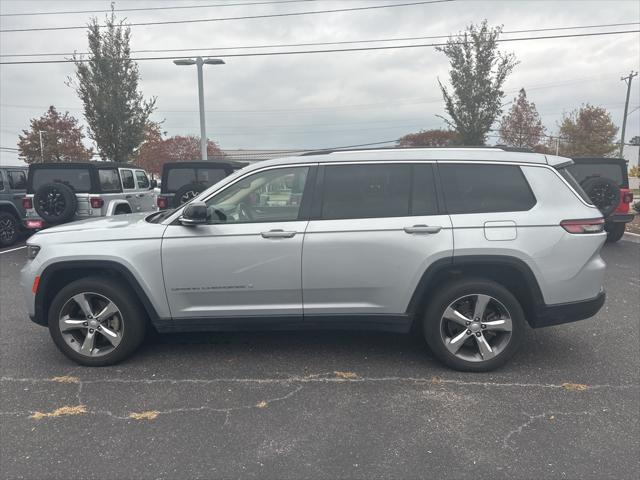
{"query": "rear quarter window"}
(109, 180)
(483, 188)
(79, 179)
(17, 179)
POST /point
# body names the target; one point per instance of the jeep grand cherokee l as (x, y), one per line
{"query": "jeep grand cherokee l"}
(468, 245)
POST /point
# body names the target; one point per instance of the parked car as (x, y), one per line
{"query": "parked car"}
(13, 187)
(466, 245)
(63, 192)
(182, 181)
(606, 182)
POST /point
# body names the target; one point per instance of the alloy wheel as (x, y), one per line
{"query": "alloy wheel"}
(91, 324)
(476, 328)
(7, 229)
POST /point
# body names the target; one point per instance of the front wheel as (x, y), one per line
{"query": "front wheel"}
(96, 322)
(474, 325)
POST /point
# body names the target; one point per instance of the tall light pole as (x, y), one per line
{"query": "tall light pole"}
(627, 80)
(199, 62)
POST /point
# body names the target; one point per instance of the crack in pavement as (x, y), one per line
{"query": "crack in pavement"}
(534, 418)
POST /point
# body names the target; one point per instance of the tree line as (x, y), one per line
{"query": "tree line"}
(119, 124)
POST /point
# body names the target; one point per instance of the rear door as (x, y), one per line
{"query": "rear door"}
(145, 195)
(375, 228)
(130, 189)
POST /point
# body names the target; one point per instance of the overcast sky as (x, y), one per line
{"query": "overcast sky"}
(328, 99)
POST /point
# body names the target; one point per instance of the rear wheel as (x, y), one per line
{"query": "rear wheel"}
(96, 322)
(8, 229)
(615, 232)
(474, 325)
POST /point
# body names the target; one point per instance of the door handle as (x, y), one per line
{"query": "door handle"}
(422, 229)
(128, 196)
(277, 234)
(140, 195)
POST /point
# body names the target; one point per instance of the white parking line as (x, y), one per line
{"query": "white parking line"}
(13, 249)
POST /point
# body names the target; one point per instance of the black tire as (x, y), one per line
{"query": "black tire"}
(604, 193)
(55, 202)
(449, 293)
(615, 232)
(122, 210)
(9, 226)
(134, 320)
(187, 192)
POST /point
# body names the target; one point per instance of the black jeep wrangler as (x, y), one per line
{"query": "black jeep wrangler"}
(181, 181)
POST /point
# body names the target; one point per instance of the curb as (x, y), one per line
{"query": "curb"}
(631, 237)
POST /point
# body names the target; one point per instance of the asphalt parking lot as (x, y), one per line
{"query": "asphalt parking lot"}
(326, 405)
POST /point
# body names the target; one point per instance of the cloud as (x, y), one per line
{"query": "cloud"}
(323, 100)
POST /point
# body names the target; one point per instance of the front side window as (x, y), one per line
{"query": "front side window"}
(17, 179)
(366, 191)
(78, 179)
(127, 179)
(143, 180)
(109, 180)
(270, 196)
(483, 188)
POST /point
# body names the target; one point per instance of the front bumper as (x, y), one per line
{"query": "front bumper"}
(567, 312)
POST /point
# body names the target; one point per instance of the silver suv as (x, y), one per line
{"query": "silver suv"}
(467, 245)
(63, 192)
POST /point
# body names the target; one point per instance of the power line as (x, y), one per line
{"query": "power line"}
(224, 19)
(333, 50)
(140, 9)
(345, 42)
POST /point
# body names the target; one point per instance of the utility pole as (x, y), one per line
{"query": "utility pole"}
(41, 147)
(627, 80)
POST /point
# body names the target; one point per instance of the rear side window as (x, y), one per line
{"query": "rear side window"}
(210, 176)
(566, 174)
(585, 171)
(109, 180)
(78, 179)
(179, 177)
(470, 188)
(17, 179)
(365, 191)
(1, 182)
(143, 180)
(127, 179)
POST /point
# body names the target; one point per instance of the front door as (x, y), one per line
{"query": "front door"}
(246, 261)
(375, 229)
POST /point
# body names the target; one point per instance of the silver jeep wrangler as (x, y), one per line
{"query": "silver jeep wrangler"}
(63, 192)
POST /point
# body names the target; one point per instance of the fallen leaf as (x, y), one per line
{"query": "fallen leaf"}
(346, 375)
(66, 379)
(436, 380)
(552, 417)
(149, 415)
(59, 412)
(262, 404)
(575, 387)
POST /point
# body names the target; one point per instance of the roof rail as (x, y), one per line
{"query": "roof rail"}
(494, 147)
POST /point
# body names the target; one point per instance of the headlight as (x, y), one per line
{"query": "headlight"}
(32, 251)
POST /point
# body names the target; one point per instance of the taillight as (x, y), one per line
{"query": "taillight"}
(162, 202)
(27, 203)
(589, 225)
(627, 197)
(34, 224)
(96, 202)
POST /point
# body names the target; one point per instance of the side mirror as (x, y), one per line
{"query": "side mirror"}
(153, 184)
(194, 214)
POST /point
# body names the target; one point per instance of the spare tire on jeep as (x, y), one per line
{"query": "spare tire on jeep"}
(55, 202)
(603, 192)
(187, 192)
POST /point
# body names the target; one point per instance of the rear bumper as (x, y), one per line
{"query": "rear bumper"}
(620, 218)
(567, 312)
